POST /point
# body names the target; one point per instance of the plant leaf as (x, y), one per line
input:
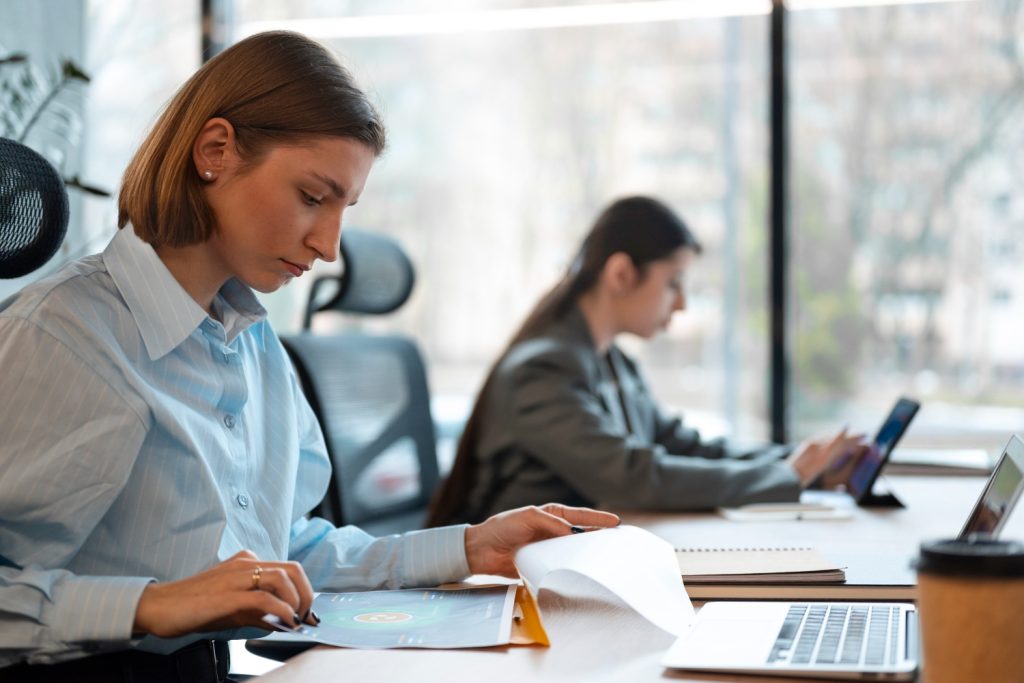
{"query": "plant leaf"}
(14, 58)
(77, 183)
(70, 70)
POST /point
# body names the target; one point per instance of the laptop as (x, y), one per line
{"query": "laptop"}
(842, 640)
(1000, 495)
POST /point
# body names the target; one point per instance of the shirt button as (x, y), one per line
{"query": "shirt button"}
(229, 421)
(243, 500)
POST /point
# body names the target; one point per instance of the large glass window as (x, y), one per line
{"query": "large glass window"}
(512, 124)
(908, 217)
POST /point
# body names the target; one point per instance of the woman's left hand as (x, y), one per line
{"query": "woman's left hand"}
(491, 545)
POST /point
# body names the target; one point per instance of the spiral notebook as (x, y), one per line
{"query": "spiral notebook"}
(756, 565)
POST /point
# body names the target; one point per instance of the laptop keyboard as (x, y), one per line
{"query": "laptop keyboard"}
(851, 635)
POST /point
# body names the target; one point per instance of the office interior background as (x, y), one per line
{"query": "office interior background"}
(512, 122)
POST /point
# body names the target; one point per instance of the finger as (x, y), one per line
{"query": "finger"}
(567, 521)
(841, 460)
(843, 444)
(255, 605)
(243, 555)
(544, 524)
(826, 440)
(837, 438)
(276, 580)
(236, 608)
(847, 452)
(829, 445)
(304, 589)
(853, 439)
(860, 451)
(586, 517)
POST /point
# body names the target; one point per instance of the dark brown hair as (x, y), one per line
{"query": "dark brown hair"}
(643, 228)
(275, 88)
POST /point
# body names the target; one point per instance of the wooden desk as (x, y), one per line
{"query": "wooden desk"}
(876, 546)
(595, 638)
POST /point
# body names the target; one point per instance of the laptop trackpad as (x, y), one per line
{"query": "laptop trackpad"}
(728, 636)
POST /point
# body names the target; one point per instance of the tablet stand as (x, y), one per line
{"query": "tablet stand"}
(886, 499)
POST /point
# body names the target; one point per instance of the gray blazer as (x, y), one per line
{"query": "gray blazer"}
(554, 430)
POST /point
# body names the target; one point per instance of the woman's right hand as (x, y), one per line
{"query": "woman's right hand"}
(816, 456)
(228, 595)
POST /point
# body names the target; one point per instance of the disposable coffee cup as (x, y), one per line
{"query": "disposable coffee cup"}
(971, 609)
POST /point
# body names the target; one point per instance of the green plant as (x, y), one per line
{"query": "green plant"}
(40, 104)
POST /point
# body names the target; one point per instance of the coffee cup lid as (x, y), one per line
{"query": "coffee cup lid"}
(974, 557)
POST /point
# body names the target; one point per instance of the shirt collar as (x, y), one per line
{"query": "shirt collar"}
(164, 312)
(575, 324)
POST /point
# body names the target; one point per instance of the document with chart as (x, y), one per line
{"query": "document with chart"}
(417, 618)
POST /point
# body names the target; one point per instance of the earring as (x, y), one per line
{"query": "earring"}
(208, 174)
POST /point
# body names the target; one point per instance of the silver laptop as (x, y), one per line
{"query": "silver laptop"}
(860, 640)
(1001, 493)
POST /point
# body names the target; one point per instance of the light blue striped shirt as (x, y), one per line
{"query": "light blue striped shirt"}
(143, 439)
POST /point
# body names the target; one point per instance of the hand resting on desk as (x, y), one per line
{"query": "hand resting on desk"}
(492, 544)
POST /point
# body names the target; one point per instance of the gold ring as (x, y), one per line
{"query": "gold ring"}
(256, 578)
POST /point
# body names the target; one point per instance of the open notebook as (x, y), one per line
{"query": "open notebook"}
(756, 565)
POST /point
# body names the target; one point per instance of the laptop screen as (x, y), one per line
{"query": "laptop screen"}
(1000, 495)
(864, 475)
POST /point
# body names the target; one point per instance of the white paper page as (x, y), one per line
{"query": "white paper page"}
(634, 564)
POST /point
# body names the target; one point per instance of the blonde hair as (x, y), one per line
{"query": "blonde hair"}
(275, 88)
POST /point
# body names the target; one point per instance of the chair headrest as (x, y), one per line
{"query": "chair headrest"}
(378, 277)
(33, 210)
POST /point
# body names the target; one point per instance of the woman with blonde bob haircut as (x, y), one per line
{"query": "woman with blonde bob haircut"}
(272, 90)
(159, 458)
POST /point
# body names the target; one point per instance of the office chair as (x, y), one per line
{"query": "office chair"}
(33, 210)
(369, 393)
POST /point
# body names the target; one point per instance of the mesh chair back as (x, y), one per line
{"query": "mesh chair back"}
(370, 395)
(33, 210)
(378, 278)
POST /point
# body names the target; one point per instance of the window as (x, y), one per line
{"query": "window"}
(506, 142)
(907, 216)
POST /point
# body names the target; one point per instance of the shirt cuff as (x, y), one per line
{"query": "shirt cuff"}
(97, 609)
(792, 488)
(434, 556)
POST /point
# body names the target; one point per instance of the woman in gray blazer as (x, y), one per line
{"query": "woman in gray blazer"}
(565, 415)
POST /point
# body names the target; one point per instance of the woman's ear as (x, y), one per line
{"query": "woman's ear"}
(619, 274)
(214, 151)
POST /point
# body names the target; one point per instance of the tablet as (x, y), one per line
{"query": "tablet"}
(866, 472)
(1000, 495)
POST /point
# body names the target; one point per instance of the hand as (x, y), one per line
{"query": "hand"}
(838, 473)
(815, 456)
(491, 545)
(225, 596)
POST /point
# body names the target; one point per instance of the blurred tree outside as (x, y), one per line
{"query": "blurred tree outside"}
(905, 126)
